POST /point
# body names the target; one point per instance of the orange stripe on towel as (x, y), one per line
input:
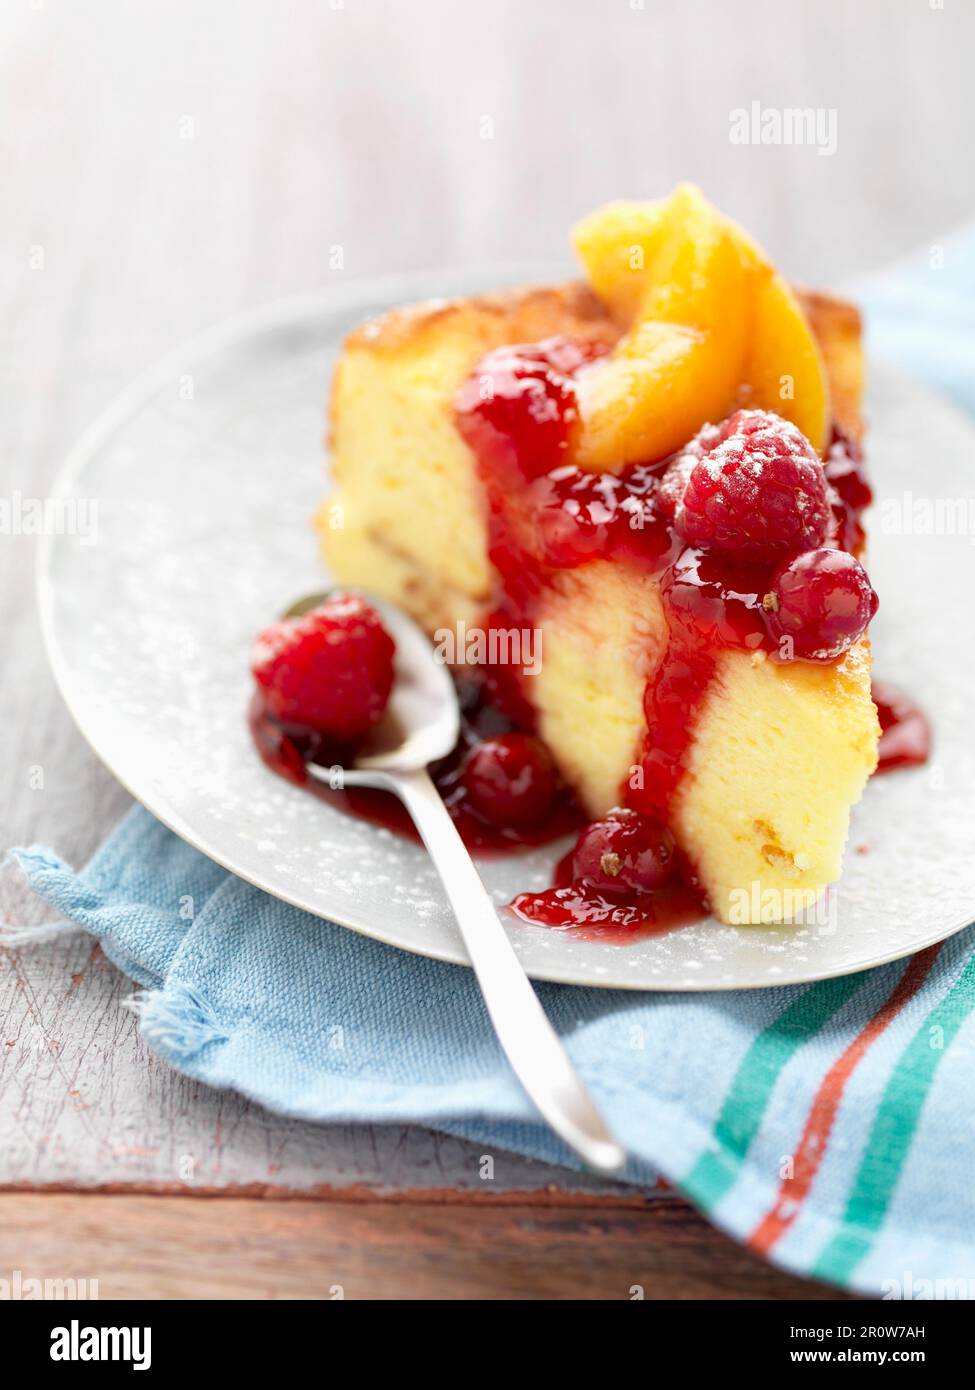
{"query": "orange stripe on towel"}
(793, 1190)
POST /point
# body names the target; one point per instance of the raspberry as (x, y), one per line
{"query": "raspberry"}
(623, 853)
(822, 600)
(757, 492)
(674, 479)
(515, 409)
(510, 779)
(330, 670)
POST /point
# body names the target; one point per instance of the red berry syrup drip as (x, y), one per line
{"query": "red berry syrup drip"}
(905, 734)
(711, 605)
(852, 493)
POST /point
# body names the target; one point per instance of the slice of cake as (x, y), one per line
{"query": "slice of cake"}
(658, 472)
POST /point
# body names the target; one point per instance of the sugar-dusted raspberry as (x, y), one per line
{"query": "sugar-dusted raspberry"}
(822, 601)
(330, 670)
(673, 480)
(757, 492)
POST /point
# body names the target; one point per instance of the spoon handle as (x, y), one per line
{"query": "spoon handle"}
(531, 1044)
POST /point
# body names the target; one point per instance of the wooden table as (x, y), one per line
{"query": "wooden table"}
(168, 165)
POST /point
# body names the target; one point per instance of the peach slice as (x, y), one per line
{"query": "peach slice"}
(784, 371)
(711, 325)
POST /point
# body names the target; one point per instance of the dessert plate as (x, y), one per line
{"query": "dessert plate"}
(202, 478)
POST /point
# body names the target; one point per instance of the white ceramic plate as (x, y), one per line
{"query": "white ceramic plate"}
(205, 473)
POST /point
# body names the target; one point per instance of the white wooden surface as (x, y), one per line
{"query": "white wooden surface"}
(83, 1103)
(167, 164)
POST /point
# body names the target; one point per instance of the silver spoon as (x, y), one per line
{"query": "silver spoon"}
(422, 725)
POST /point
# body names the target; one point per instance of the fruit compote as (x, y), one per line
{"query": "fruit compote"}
(624, 877)
(752, 538)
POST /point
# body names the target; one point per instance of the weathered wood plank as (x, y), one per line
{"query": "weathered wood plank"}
(84, 1103)
(152, 1247)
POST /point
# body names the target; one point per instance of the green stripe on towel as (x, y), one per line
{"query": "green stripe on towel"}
(748, 1097)
(893, 1129)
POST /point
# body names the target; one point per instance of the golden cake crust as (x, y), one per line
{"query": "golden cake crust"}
(535, 311)
(527, 314)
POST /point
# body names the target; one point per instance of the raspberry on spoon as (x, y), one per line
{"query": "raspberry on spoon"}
(757, 491)
(329, 670)
(821, 601)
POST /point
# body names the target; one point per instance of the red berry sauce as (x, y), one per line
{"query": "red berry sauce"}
(905, 734)
(591, 914)
(851, 491)
(622, 880)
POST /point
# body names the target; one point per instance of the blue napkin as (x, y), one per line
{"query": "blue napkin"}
(921, 315)
(824, 1125)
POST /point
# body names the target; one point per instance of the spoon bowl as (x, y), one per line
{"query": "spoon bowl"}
(422, 722)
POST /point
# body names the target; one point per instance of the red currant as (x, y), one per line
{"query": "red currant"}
(514, 410)
(821, 601)
(624, 853)
(510, 780)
